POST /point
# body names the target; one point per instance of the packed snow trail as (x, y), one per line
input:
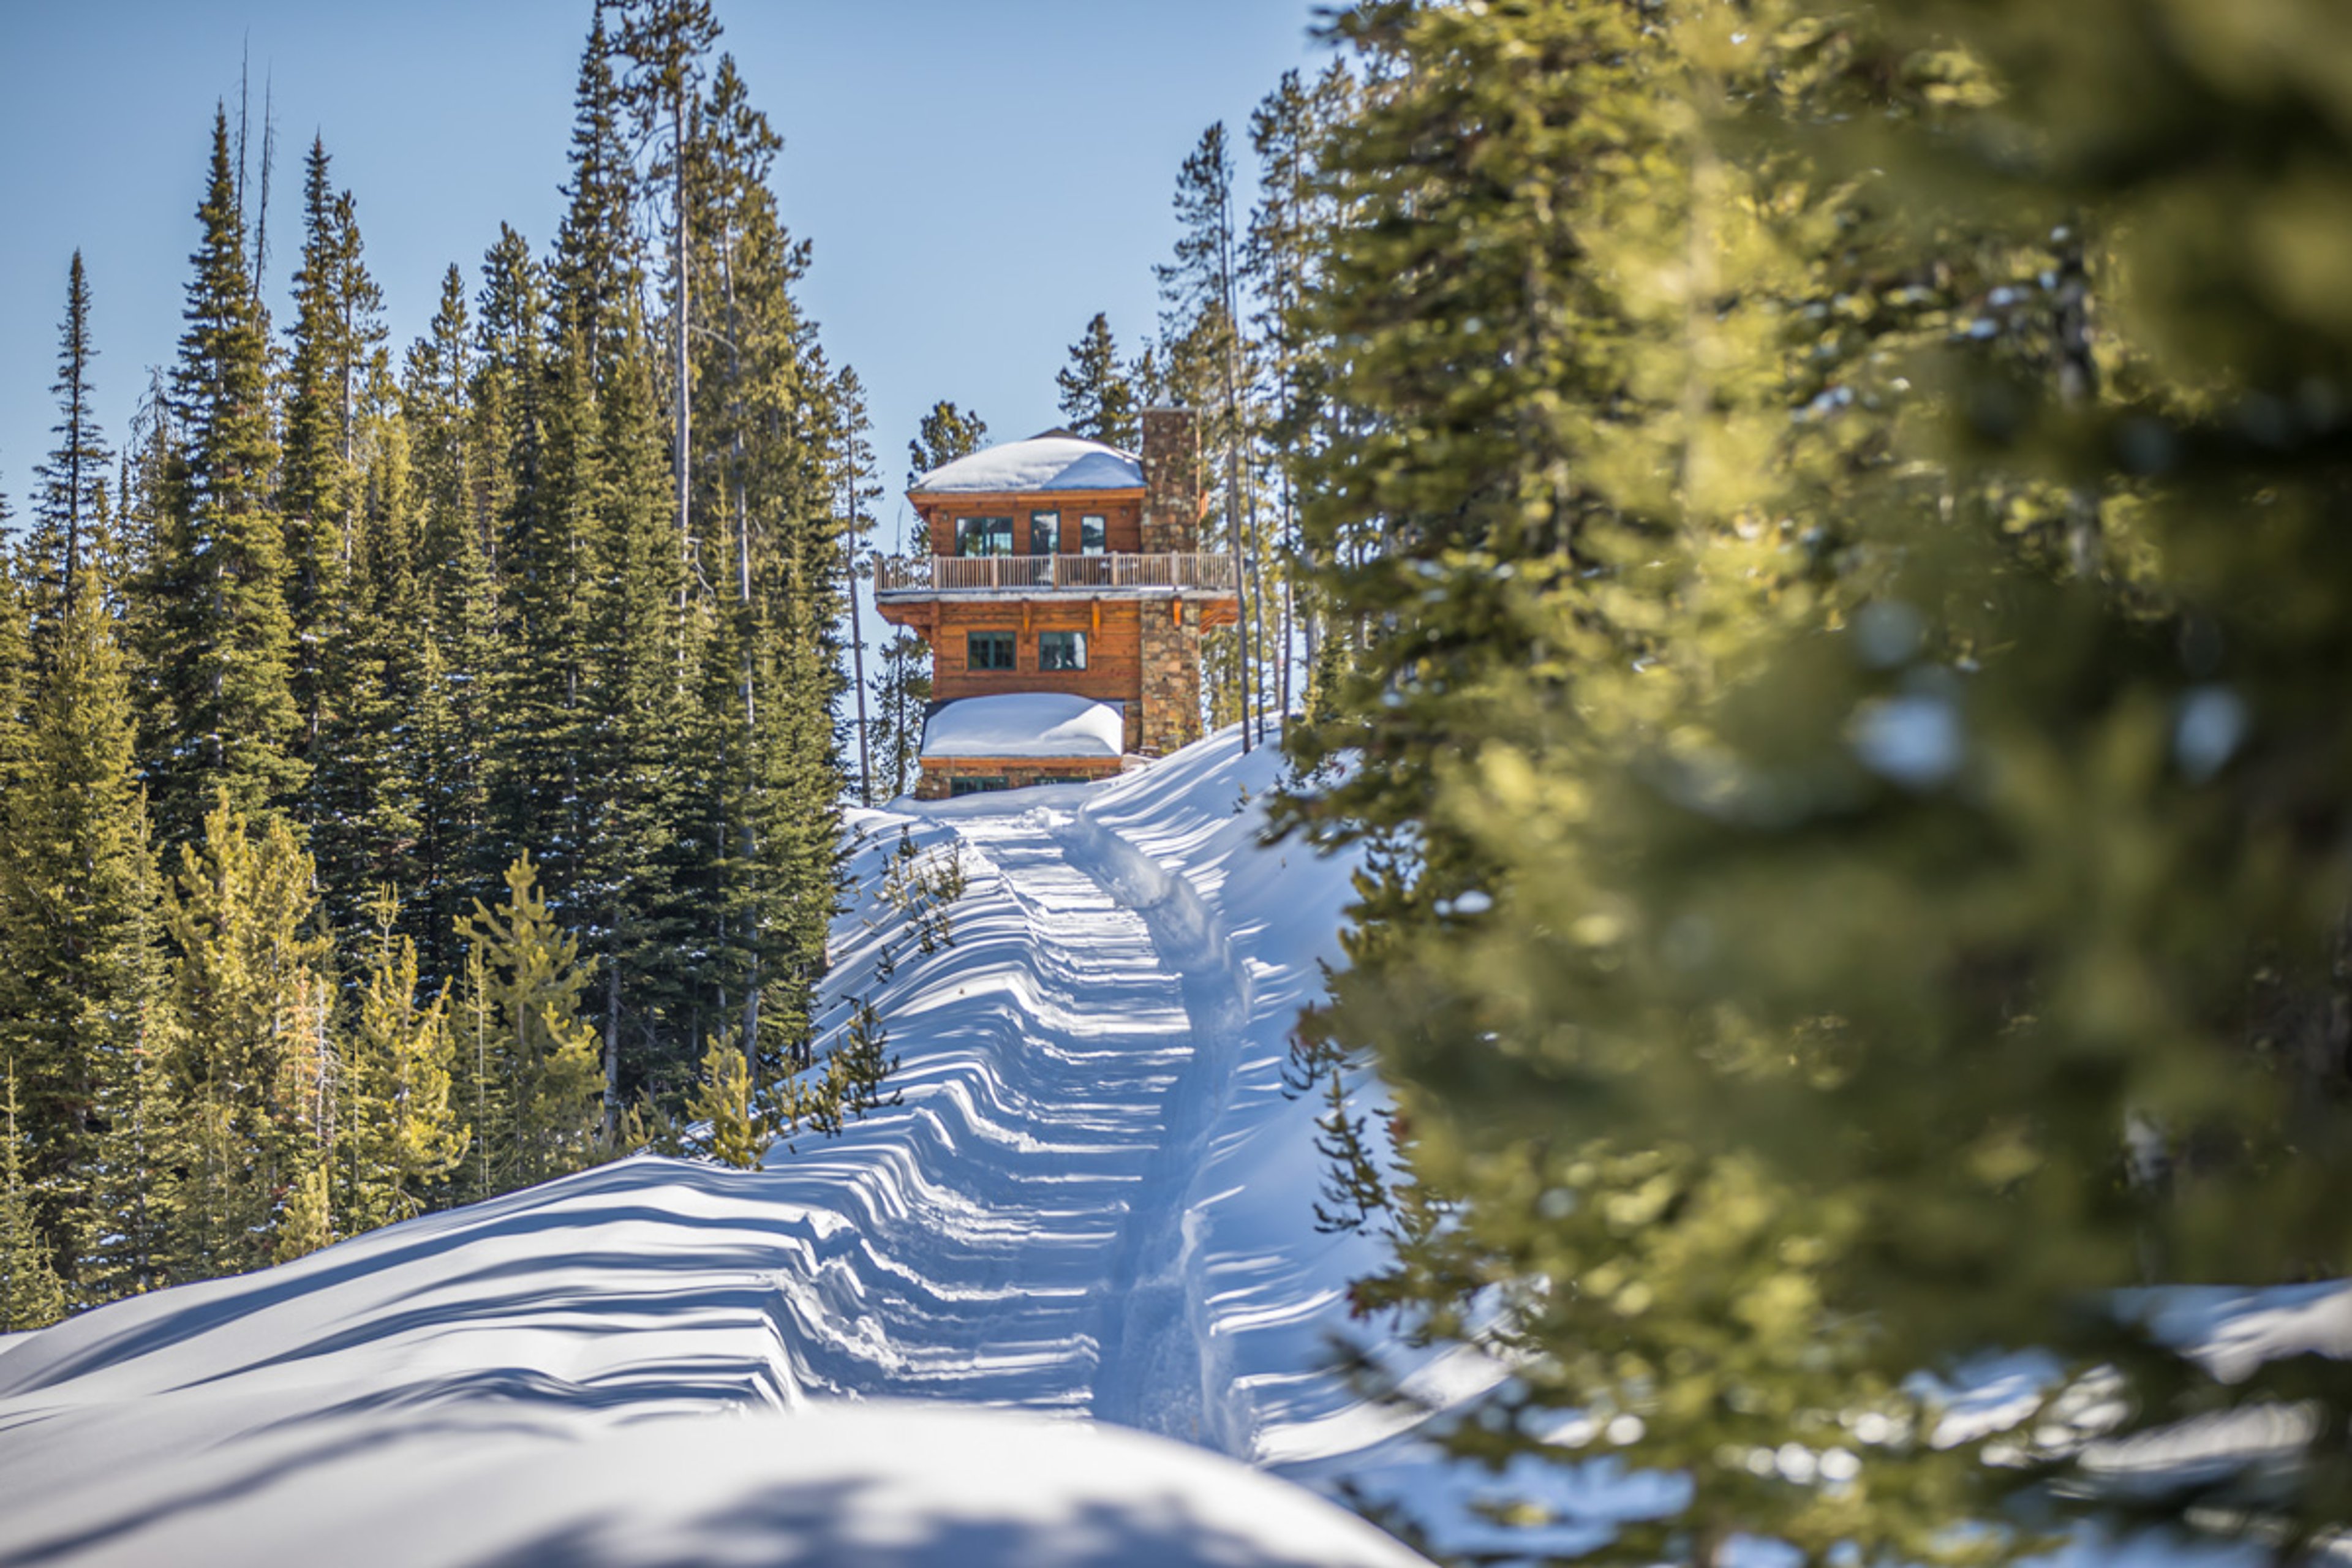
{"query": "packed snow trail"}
(1094, 1200)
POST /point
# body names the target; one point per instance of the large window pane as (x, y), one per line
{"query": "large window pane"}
(1044, 533)
(988, 650)
(1094, 535)
(1060, 650)
(983, 536)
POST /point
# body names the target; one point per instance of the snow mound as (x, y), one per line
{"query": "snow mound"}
(1025, 724)
(880, 1485)
(1050, 462)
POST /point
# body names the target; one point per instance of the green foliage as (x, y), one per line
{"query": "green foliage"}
(534, 1059)
(216, 658)
(946, 434)
(1098, 398)
(923, 886)
(827, 1099)
(1842, 713)
(251, 1064)
(402, 1132)
(31, 1294)
(902, 695)
(739, 1135)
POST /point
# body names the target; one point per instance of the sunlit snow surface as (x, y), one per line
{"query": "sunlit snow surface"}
(1025, 724)
(1094, 1201)
(916, 1343)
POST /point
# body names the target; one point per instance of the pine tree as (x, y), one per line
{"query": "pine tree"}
(76, 891)
(1289, 230)
(859, 487)
(946, 434)
(75, 468)
(739, 1135)
(403, 1133)
(533, 1058)
(251, 1074)
(337, 332)
(457, 659)
(1201, 334)
(1098, 398)
(31, 1294)
(666, 41)
(902, 696)
(1825, 915)
(223, 714)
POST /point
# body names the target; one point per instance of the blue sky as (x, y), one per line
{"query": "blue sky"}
(978, 178)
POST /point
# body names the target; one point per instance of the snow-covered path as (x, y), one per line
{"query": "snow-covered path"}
(1039, 1136)
(1095, 1200)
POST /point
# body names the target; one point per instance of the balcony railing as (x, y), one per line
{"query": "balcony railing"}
(1053, 574)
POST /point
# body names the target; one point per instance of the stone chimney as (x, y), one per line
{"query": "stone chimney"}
(1172, 482)
(1170, 707)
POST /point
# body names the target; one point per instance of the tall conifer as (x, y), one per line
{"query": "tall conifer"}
(224, 715)
(1098, 399)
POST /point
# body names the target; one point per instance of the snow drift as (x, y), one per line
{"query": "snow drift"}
(1093, 1201)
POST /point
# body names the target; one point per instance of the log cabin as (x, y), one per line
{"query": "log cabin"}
(1063, 594)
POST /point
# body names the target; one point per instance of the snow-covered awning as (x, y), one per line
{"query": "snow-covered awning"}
(1055, 460)
(1026, 724)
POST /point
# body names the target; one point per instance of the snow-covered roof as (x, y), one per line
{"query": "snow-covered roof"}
(1026, 724)
(1055, 460)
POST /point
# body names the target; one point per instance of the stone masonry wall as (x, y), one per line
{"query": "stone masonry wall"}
(1169, 714)
(1172, 482)
(1171, 678)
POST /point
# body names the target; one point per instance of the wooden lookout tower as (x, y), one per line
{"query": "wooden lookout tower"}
(1063, 596)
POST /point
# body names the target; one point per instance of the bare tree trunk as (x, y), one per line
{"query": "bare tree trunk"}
(857, 670)
(685, 397)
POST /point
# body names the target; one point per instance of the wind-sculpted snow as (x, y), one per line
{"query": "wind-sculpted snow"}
(1094, 1200)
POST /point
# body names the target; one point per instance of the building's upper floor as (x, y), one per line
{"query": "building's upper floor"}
(1058, 514)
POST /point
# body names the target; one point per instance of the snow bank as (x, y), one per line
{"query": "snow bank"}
(1041, 463)
(1025, 724)
(1093, 1203)
(882, 1486)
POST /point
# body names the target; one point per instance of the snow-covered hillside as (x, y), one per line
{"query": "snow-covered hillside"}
(1095, 1200)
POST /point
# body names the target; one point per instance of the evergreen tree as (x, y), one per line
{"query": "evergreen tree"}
(222, 714)
(403, 1129)
(31, 1294)
(859, 487)
(739, 1135)
(946, 434)
(665, 42)
(76, 891)
(1098, 398)
(372, 774)
(457, 659)
(534, 1058)
(1829, 908)
(251, 1074)
(337, 333)
(75, 468)
(1201, 334)
(902, 696)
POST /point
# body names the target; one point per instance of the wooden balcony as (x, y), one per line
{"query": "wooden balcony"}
(1031, 576)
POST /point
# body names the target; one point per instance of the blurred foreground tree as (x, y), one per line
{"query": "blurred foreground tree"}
(1848, 739)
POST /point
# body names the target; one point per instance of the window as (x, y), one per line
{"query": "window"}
(1044, 533)
(1094, 536)
(983, 536)
(1060, 650)
(988, 650)
(977, 784)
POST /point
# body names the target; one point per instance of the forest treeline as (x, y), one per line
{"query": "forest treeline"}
(411, 770)
(1835, 522)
